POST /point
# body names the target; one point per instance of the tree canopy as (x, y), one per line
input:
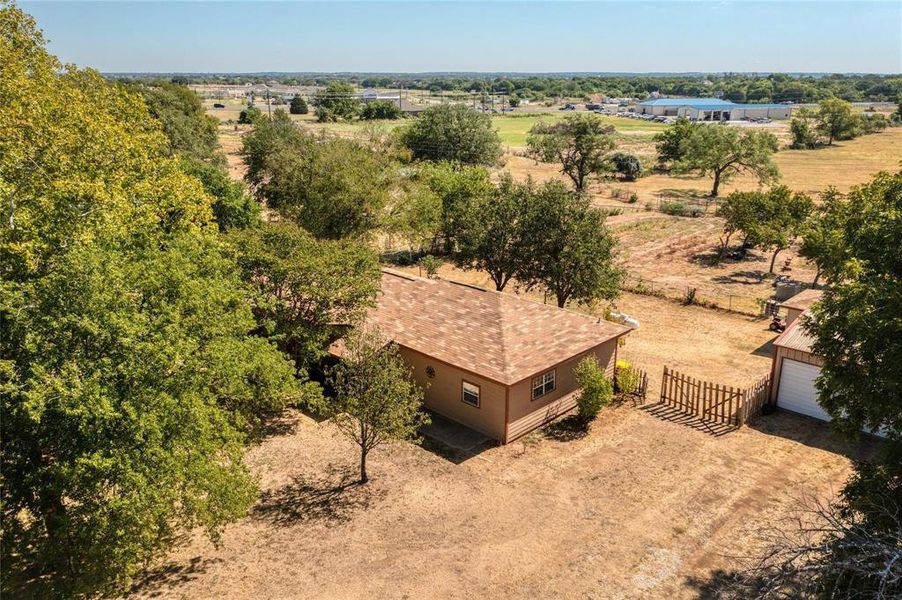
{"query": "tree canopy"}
(332, 187)
(488, 233)
(376, 400)
(307, 290)
(454, 133)
(580, 143)
(857, 324)
(721, 151)
(380, 109)
(337, 102)
(570, 250)
(129, 378)
(298, 106)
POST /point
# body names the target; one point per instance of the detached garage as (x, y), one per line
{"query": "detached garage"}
(794, 371)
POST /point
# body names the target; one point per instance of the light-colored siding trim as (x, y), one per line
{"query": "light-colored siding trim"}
(779, 354)
(539, 417)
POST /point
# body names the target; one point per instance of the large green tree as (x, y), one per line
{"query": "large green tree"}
(836, 121)
(234, 207)
(129, 379)
(489, 232)
(191, 131)
(454, 133)
(308, 290)
(580, 143)
(338, 101)
(722, 151)
(857, 325)
(332, 187)
(570, 250)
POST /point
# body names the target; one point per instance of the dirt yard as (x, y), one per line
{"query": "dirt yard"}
(638, 508)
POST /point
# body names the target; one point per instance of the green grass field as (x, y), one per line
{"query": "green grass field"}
(511, 128)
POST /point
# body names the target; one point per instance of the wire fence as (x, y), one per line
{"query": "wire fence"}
(690, 295)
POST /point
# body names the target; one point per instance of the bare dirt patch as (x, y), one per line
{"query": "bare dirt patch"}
(632, 510)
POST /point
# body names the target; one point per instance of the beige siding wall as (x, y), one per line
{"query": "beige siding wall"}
(443, 394)
(779, 354)
(791, 315)
(528, 414)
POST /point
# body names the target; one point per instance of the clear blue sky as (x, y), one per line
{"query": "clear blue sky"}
(497, 36)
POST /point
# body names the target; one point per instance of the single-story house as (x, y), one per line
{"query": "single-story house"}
(495, 362)
(711, 109)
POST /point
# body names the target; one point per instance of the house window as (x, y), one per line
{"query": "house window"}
(543, 384)
(470, 394)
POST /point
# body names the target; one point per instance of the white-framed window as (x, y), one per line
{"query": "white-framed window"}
(543, 384)
(469, 394)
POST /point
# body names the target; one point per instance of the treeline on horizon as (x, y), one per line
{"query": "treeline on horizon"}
(737, 87)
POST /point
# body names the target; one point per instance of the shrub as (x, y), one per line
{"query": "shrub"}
(250, 115)
(430, 264)
(626, 377)
(627, 165)
(595, 389)
(634, 197)
(298, 106)
(380, 109)
(678, 209)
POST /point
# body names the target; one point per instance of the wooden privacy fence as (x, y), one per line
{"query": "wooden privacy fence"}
(712, 401)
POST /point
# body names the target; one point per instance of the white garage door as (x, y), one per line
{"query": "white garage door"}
(797, 392)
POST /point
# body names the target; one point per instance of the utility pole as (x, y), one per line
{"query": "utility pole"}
(268, 104)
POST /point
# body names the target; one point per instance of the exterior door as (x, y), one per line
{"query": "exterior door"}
(797, 392)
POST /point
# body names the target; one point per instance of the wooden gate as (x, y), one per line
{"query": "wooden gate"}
(713, 402)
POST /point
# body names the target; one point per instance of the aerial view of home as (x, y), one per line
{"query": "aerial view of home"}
(427, 300)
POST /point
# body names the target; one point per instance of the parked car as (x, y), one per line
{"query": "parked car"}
(218, 105)
(568, 106)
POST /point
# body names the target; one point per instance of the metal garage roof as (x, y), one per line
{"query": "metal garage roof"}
(693, 102)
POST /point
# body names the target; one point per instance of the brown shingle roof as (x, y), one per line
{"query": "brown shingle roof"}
(795, 337)
(500, 336)
(803, 300)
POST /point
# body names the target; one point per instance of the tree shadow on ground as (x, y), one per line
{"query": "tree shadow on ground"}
(723, 585)
(305, 499)
(815, 433)
(157, 581)
(567, 429)
(741, 277)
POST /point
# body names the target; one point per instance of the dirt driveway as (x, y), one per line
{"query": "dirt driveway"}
(631, 510)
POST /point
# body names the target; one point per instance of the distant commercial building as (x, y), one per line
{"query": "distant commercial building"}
(711, 109)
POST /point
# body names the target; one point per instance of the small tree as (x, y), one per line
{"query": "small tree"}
(298, 105)
(738, 212)
(721, 151)
(595, 389)
(454, 133)
(627, 165)
(836, 121)
(376, 400)
(580, 143)
(380, 109)
(568, 250)
(804, 130)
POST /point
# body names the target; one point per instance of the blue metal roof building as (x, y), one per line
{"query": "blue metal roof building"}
(711, 109)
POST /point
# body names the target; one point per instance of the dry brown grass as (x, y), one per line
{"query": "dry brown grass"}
(632, 510)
